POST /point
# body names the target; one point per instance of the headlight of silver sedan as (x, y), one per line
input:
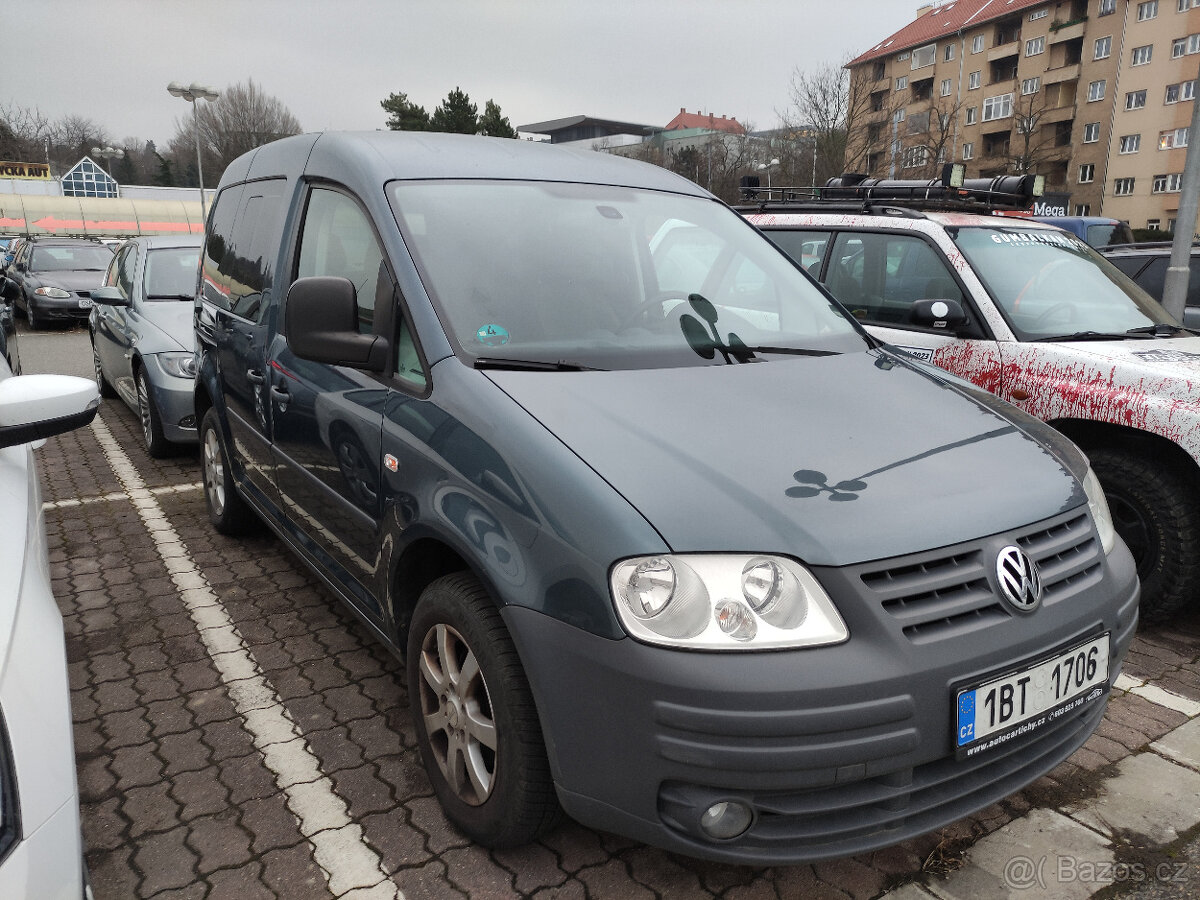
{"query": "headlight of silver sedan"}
(53, 292)
(724, 602)
(1098, 505)
(179, 364)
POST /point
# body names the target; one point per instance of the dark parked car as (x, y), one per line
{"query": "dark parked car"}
(663, 535)
(1147, 265)
(1097, 231)
(51, 279)
(142, 338)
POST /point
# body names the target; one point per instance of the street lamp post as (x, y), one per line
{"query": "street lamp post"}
(766, 167)
(108, 153)
(191, 93)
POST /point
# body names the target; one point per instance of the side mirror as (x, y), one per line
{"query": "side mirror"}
(320, 321)
(947, 314)
(109, 296)
(35, 407)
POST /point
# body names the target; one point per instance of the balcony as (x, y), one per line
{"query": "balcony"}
(1013, 48)
(1062, 73)
(1058, 114)
(1067, 32)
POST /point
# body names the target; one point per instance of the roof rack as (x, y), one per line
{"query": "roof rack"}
(861, 193)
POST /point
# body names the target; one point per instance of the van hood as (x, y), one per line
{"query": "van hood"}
(833, 460)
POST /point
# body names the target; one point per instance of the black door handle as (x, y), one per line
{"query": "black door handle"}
(254, 376)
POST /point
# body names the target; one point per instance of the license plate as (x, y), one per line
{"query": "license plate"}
(1022, 702)
(85, 302)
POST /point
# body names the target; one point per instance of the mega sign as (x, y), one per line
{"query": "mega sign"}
(38, 171)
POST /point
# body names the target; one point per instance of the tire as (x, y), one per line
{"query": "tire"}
(36, 322)
(1156, 511)
(227, 510)
(511, 799)
(156, 443)
(106, 389)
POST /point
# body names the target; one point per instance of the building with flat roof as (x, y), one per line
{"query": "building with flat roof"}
(1096, 95)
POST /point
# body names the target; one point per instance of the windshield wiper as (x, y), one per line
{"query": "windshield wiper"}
(530, 365)
(1159, 329)
(790, 351)
(1095, 336)
(169, 297)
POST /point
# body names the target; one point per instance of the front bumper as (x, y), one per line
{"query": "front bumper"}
(76, 308)
(175, 399)
(837, 750)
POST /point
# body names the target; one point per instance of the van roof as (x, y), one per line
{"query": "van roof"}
(382, 156)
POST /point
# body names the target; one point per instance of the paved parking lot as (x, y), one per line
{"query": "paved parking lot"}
(238, 734)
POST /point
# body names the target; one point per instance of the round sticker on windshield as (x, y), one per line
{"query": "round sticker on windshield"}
(492, 335)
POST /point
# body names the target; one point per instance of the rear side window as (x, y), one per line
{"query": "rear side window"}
(241, 250)
(805, 247)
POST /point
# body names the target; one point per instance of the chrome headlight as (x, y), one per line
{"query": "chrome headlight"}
(56, 293)
(179, 364)
(1098, 506)
(724, 602)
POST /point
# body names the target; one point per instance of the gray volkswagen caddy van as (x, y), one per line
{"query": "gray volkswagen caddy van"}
(666, 540)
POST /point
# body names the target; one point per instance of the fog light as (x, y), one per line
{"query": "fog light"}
(726, 820)
(736, 620)
(187, 422)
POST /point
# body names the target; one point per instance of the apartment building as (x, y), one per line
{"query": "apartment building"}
(1096, 95)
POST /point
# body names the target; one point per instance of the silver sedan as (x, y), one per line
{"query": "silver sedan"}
(141, 330)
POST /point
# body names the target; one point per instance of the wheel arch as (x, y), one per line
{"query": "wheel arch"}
(1088, 434)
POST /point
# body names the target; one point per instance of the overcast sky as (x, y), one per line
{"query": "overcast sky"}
(332, 62)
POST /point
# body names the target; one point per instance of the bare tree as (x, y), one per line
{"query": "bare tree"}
(927, 137)
(242, 118)
(834, 106)
(1033, 145)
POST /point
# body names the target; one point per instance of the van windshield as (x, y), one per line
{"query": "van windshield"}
(595, 276)
(1051, 284)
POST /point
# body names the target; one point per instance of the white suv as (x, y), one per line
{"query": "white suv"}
(1034, 315)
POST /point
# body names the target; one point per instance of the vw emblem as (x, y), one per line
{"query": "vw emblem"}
(1019, 580)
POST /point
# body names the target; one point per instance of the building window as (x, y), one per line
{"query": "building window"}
(1135, 99)
(1141, 55)
(1087, 173)
(972, 114)
(945, 87)
(1167, 184)
(1107, 7)
(1030, 86)
(924, 56)
(997, 107)
(1147, 10)
(1123, 187)
(973, 81)
(1103, 47)
(1091, 132)
(969, 150)
(899, 117)
(1084, 209)
(1096, 91)
(1185, 5)
(1172, 138)
(1152, 224)
(901, 82)
(1035, 46)
(900, 57)
(949, 54)
(1185, 90)
(1185, 46)
(977, 42)
(1131, 143)
(915, 157)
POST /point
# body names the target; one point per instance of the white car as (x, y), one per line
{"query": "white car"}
(41, 853)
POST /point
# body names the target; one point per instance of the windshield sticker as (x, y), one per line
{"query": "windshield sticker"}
(1167, 356)
(1058, 239)
(492, 335)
